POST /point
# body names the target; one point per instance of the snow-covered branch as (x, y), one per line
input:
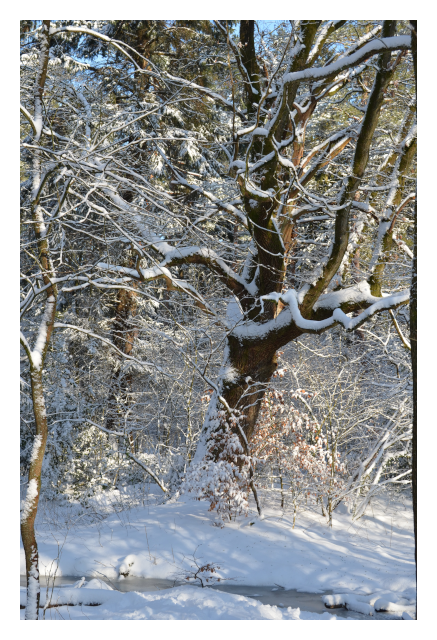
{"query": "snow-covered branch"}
(396, 43)
(292, 315)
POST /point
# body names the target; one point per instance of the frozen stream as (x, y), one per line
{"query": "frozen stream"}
(272, 595)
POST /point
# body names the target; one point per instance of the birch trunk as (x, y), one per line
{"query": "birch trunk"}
(37, 356)
(30, 505)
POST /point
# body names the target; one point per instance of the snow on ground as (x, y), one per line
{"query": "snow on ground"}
(372, 557)
(387, 602)
(180, 603)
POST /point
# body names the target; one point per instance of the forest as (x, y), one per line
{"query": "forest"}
(218, 303)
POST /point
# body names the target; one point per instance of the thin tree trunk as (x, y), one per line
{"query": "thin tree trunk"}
(413, 324)
(124, 336)
(30, 505)
(37, 356)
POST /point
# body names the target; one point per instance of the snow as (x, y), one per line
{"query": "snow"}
(358, 293)
(35, 448)
(335, 600)
(243, 132)
(262, 161)
(233, 312)
(363, 206)
(229, 374)
(361, 558)
(384, 303)
(385, 605)
(31, 494)
(159, 271)
(252, 330)
(338, 136)
(369, 49)
(354, 604)
(254, 191)
(359, 43)
(383, 229)
(179, 253)
(148, 235)
(403, 246)
(350, 602)
(73, 595)
(148, 274)
(255, 331)
(181, 603)
(369, 564)
(41, 340)
(375, 602)
(260, 131)
(32, 590)
(239, 164)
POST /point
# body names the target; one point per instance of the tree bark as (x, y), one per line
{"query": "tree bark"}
(124, 335)
(413, 323)
(37, 357)
(247, 369)
(30, 505)
(242, 382)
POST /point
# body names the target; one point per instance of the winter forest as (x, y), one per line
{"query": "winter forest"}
(218, 319)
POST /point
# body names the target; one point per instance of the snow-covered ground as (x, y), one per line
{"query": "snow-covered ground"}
(181, 603)
(369, 562)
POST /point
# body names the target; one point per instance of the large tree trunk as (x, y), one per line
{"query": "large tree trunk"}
(248, 367)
